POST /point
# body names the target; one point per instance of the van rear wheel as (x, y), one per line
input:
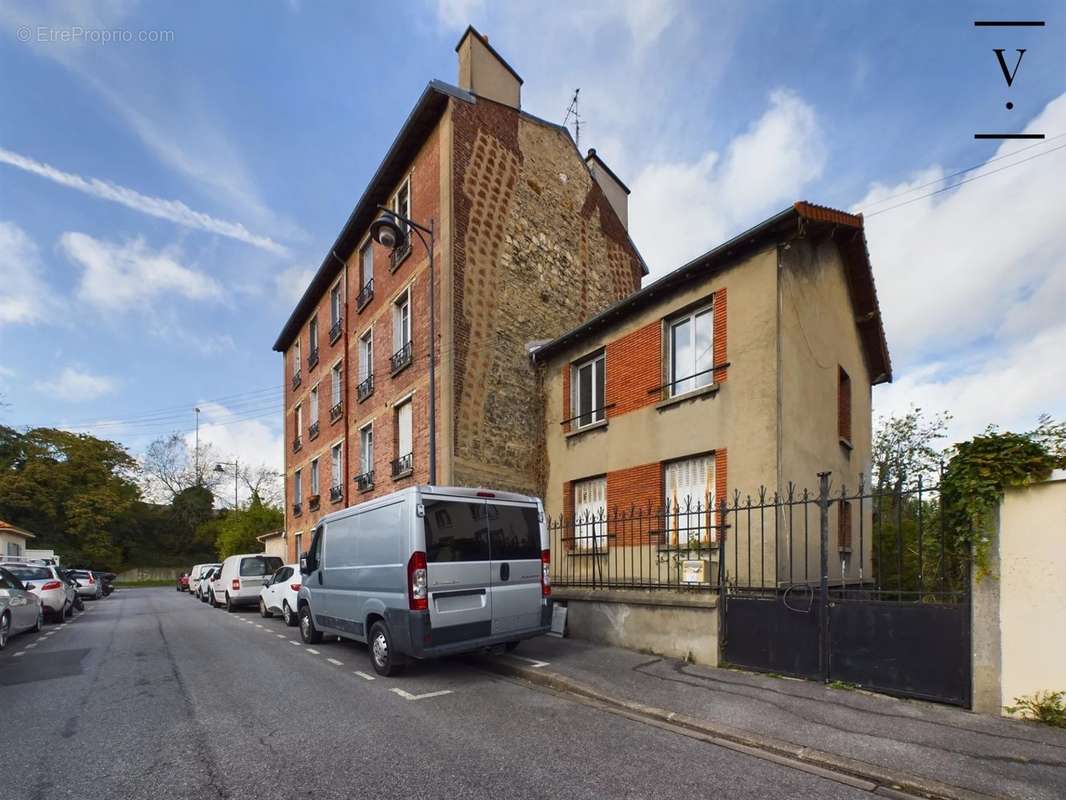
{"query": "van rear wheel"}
(308, 632)
(385, 659)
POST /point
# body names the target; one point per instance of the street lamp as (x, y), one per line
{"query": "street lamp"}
(386, 231)
(236, 473)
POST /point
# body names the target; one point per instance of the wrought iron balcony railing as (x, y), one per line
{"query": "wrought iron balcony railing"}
(365, 481)
(403, 466)
(296, 379)
(313, 502)
(366, 294)
(336, 493)
(335, 331)
(312, 358)
(365, 389)
(312, 431)
(401, 358)
(335, 411)
(297, 443)
(297, 509)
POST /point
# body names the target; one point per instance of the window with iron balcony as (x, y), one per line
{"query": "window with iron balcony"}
(312, 430)
(296, 379)
(366, 294)
(297, 509)
(312, 358)
(335, 332)
(297, 443)
(365, 389)
(403, 466)
(364, 481)
(336, 493)
(401, 358)
(313, 502)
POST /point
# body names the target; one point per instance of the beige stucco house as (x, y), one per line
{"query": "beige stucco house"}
(13, 541)
(751, 366)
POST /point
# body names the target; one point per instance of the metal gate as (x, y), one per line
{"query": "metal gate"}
(865, 588)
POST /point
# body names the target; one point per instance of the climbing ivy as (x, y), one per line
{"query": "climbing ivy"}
(980, 470)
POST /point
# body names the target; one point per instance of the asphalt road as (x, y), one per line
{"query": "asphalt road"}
(151, 694)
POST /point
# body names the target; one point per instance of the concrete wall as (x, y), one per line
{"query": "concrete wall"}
(277, 546)
(1020, 632)
(672, 624)
(818, 336)
(151, 574)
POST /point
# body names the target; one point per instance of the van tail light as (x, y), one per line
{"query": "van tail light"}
(236, 584)
(417, 582)
(545, 573)
(92, 582)
(294, 586)
(51, 585)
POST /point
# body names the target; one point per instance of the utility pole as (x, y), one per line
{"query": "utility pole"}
(572, 112)
(196, 451)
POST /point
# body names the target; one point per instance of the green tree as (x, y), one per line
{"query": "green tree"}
(72, 490)
(236, 531)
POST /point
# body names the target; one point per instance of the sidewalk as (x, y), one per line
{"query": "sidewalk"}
(924, 748)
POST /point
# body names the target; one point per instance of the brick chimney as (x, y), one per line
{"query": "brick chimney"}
(617, 193)
(482, 71)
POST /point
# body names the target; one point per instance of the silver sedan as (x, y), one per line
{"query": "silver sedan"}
(44, 580)
(20, 610)
(88, 586)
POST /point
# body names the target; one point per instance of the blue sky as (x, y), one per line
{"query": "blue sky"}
(162, 203)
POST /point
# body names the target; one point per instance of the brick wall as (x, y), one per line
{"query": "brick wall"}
(634, 365)
(720, 333)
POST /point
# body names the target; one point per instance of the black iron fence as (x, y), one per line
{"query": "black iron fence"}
(882, 543)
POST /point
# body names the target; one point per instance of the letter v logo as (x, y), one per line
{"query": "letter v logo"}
(1007, 75)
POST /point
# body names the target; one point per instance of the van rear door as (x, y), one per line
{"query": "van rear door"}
(458, 561)
(516, 568)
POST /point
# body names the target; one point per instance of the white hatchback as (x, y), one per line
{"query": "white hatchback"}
(241, 578)
(278, 595)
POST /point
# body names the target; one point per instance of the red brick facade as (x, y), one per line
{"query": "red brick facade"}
(634, 370)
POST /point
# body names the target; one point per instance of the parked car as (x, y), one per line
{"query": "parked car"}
(48, 583)
(279, 594)
(241, 577)
(183, 582)
(105, 579)
(428, 571)
(20, 609)
(87, 586)
(207, 585)
(196, 576)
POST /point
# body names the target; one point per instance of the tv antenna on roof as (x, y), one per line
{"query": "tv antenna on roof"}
(571, 112)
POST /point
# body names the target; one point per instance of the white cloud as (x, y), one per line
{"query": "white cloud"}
(291, 283)
(172, 210)
(24, 296)
(6, 372)
(129, 276)
(252, 442)
(74, 385)
(972, 285)
(458, 13)
(680, 209)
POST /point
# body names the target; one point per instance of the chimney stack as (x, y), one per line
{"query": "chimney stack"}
(617, 193)
(483, 72)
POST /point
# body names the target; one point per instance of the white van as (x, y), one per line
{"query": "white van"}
(241, 579)
(428, 571)
(197, 573)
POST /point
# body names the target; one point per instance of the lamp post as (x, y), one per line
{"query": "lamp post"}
(385, 231)
(236, 474)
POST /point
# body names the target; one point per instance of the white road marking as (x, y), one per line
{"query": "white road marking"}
(312, 651)
(19, 653)
(363, 675)
(31, 645)
(532, 661)
(409, 696)
(258, 625)
(280, 635)
(295, 643)
(335, 661)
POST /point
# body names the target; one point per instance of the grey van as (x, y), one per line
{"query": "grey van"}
(428, 571)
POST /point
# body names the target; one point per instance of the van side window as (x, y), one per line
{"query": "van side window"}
(515, 532)
(456, 531)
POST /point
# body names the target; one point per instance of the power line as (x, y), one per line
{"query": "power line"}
(187, 407)
(964, 171)
(966, 180)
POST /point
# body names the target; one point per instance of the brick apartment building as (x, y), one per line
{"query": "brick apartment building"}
(531, 241)
(751, 365)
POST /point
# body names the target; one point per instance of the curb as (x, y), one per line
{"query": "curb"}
(874, 778)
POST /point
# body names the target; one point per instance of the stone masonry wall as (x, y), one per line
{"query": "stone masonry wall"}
(537, 251)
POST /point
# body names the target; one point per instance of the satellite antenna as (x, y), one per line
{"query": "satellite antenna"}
(572, 112)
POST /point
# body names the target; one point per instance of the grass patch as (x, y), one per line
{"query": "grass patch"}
(1046, 707)
(845, 685)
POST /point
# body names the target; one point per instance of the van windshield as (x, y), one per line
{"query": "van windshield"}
(480, 531)
(259, 566)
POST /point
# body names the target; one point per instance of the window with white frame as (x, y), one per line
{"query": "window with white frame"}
(312, 334)
(297, 486)
(299, 540)
(691, 351)
(335, 383)
(401, 322)
(313, 402)
(366, 449)
(689, 500)
(298, 418)
(590, 514)
(336, 466)
(314, 477)
(296, 357)
(336, 303)
(403, 429)
(587, 383)
(366, 264)
(366, 355)
(401, 204)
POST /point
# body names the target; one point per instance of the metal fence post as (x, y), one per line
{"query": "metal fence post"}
(823, 513)
(722, 511)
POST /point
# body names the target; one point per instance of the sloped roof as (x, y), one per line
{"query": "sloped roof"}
(846, 229)
(7, 527)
